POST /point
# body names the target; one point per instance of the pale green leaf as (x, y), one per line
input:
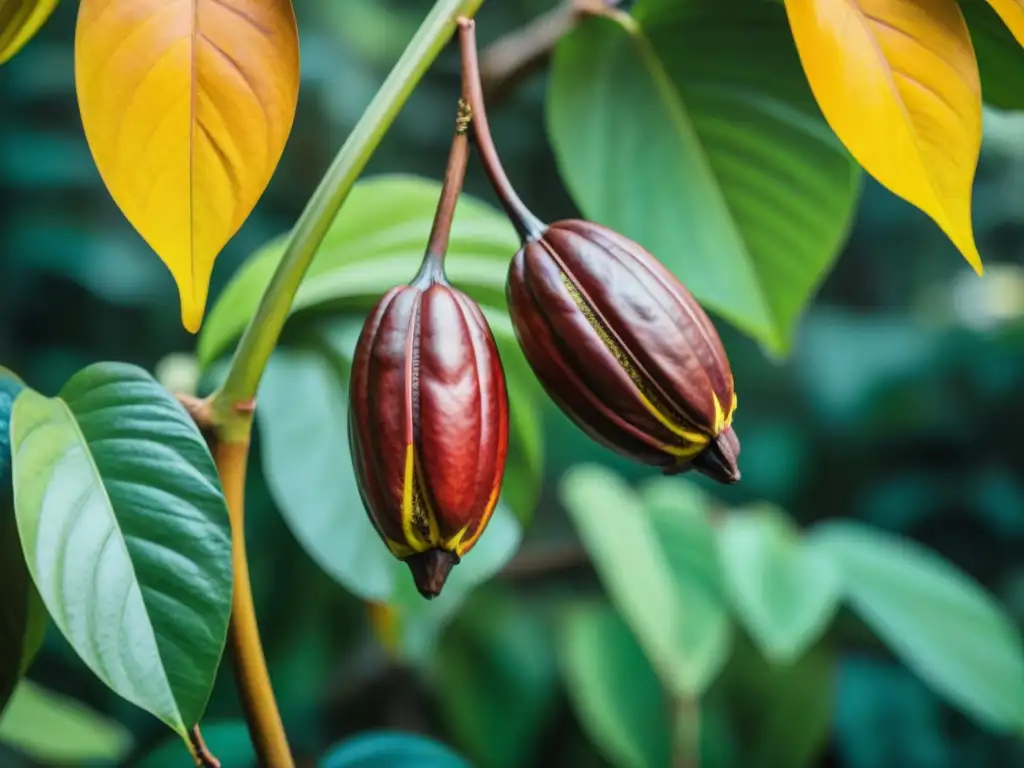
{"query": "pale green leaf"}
(376, 242)
(785, 591)
(943, 625)
(655, 567)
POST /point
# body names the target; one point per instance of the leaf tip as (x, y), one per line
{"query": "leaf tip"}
(192, 311)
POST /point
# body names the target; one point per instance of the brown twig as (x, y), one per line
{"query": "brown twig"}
(510, 60)
(204, 758)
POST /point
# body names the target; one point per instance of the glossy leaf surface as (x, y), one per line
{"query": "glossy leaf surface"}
(187, 105)
(694, 133)
(898, 82)
(784, 591)
(126, 535)
(943, 626)
(19, 21)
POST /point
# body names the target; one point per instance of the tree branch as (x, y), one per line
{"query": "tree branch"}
(506, 63)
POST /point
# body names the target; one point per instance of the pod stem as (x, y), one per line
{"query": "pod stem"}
(528, 225)
(432, 268)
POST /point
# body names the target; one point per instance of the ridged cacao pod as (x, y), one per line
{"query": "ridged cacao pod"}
(428, 424)
(624, 349)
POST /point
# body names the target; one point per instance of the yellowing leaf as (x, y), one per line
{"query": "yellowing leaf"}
(1012, 14)
(898, 83)
(19, 21)
(187, 105)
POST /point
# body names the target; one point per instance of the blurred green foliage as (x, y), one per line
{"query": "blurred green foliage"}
(899, 407)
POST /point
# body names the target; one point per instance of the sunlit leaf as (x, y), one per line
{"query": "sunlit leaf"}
(695, 134)
(187, 106)
(55, 729)
(19, 21)
(377, 241)
(898, 82)
(126, 535)
(784, 591)
(943, 625)
(22, 615)
(613, 689)
(657, 562)
(391, 749)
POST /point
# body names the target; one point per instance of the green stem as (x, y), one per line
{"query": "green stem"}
(686, 733)
(264, 329)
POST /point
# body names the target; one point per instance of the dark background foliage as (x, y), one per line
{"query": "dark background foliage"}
(900, 406)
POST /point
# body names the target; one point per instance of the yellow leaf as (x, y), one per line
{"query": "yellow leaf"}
(1012, 14)
(898, 83)
(19, 21)
(187, 105)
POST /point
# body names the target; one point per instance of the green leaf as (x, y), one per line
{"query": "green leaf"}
(658, 566)
(942, 624)
(377, 241)
(22, 614)
(228, 741)
(52, 728)
(613, 688)
(303, 419)
(126, 534)
(19, 22)
(785, 591)
(495, 679)
(391, 749)
(779, 715)
(695, 133)
(1000, 56)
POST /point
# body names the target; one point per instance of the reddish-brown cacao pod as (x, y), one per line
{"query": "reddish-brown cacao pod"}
(428, 424)
(624, 349)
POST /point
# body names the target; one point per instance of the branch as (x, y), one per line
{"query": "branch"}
(509, 61)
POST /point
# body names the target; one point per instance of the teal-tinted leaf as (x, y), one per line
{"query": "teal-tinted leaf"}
(126, 534)
(1000, 56)
(785, 591)
(377, 241)
(52, 728)
(391, 749)
(696, 134)
(944, 626)
(613, 689)
(22, 615)
(495, 679)
(303, 418)
(228, 741)
(658, 566)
